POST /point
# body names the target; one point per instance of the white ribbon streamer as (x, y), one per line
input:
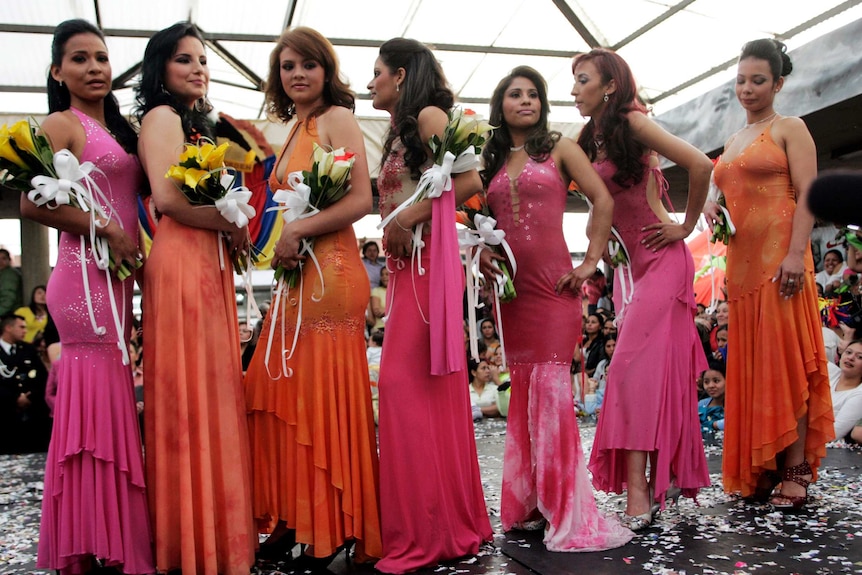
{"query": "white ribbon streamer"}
(484, 237)
(625, 270)
(67, 189)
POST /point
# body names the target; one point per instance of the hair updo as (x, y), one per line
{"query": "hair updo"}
(772, 51)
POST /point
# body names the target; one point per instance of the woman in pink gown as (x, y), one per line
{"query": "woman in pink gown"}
(528, 169)
(650, 407)
(431, 501)
(94, 509)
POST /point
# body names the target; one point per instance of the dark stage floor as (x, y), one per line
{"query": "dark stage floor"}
(721, 535)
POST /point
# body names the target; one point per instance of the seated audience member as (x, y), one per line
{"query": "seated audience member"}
(494, 357)
(373, 262)
(846, 384)
(597, 384)
(711, 408)
(488, 332)
(832, 275)
(372, 354)
(25, 424)
(482, 392)
(720, 343)
(11, 297)
(35, 314)
(247, 344)
(592, 347)
(377, 304)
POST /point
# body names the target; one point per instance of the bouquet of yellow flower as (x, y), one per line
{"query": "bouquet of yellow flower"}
(310, 191)
(205, 181)
(475, 214)
(51, 179)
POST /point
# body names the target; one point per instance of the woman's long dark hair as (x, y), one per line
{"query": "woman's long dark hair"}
(151, 93)
(621, 148)
(424, 85)
(540, 141)
(59, 98)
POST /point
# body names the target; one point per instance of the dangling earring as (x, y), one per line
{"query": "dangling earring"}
(606, 98)
(397, 87)
(61, 83)
(291, 109)
(201, 104)
(162, 88)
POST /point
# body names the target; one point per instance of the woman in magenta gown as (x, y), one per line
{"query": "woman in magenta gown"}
(650, 407)
(527, 169)
(94, 509)
(431, 502)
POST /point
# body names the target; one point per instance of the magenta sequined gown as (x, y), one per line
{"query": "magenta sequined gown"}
(431, 502)
(651, 399)
(544, 467)
(94, 503)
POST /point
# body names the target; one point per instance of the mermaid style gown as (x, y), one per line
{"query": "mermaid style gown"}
(544, 467)
(651, 398)
(196, 434)
(314, 451)
(776, 364)
(431, 501)
(95, 504)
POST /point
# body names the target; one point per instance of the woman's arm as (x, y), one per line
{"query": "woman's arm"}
(848, 415)
(64, 130)
(338, 128)
(398, 234)
(680, 152)
(159, 147)
(802, 160)
(577, 167)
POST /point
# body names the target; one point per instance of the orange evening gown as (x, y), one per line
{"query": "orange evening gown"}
(314, 450)
(197, 454)
(776, 364)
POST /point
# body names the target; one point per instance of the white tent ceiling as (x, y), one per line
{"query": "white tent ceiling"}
(678, 49)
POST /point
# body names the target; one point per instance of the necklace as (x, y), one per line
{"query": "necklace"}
(516, 148)
(761, 120)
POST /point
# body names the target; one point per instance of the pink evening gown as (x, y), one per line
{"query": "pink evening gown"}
(651, 398)
(431, 501)
(95, 504)
(544, 467)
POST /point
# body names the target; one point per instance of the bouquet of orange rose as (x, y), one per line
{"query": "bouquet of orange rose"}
(310, 191)
(475, 214)
(204, 180)
(30, 165)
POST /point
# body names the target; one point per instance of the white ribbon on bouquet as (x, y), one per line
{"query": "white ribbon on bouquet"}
(75, 185)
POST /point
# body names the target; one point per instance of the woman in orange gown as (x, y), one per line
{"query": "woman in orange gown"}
(778, 411)
(314, 452)
(197, 457)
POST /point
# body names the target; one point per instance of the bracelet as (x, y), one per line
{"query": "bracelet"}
(397, 223)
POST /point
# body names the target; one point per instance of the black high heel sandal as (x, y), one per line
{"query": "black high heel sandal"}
(321, 564)
(278, 550)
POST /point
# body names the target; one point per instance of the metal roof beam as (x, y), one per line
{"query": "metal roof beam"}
(577, 23)
(234, 62)
(652, 24)
(782, 36)
(121, 80)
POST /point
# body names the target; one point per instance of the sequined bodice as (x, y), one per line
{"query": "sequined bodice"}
(395, 183)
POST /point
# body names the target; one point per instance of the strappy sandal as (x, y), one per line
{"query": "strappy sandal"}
(792, 503)
(639, 522)
(766, 484)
